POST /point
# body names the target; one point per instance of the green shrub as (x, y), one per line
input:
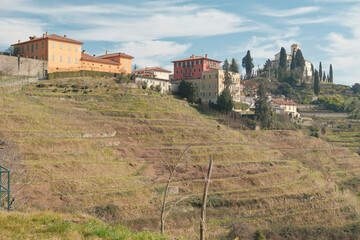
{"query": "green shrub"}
(158, 88)
(259, 235)
(144, 85)
(41, 85)
(108, 212)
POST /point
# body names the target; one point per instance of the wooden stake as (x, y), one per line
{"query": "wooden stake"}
(203, 208)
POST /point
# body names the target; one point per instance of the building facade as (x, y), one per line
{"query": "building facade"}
(211, 83)
(156, 72)
(283, 106)
(153, 77)
(193, 67)
(64, 54)
(307, 73)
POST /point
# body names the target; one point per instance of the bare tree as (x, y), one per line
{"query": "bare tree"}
(10, 159)
(203, 208)
(171, 167)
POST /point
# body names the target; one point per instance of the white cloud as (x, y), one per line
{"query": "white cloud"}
(287, 12)
(153, 53)
(18, 29)
(344, 50)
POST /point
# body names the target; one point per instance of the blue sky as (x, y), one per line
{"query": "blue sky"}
(157, 32)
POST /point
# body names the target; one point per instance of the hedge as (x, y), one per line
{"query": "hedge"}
(82, 73)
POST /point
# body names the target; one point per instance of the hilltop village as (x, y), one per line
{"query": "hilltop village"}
(52, 55)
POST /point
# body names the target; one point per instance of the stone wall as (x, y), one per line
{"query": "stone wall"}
(12, 65)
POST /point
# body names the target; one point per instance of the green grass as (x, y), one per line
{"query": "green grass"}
(47, 225)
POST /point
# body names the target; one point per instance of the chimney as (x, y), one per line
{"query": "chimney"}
(193, 56)
(19, 41)
(106, 53)
(43, 35)
(64, 36)
(83, 51)
(46, 33)
(206, 56)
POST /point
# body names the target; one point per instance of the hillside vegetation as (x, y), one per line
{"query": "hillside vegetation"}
(90, 143)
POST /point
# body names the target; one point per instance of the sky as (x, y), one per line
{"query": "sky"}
(157, 32)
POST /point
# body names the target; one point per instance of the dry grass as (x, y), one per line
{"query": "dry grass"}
(103, 147)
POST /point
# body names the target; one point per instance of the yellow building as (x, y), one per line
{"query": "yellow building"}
(64, 54)
(122, 58)
(211, 84)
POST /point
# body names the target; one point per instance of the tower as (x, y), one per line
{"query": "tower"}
(294, 48)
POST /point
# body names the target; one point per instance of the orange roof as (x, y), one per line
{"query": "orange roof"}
(52, 37)
(283, 102)
(115, 55)
(195, 58)
(159, 69)
(89, 58)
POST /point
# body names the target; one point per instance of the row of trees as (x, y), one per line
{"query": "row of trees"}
(247, 64)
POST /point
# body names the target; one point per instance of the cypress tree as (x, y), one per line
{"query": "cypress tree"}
(282, 64)
(299, 60)
(262, 108)
(320, 72)
(233, 66)
(225, 102)
(324, 76)
(247, 63)
(316, 83)
(292, 66)
(331, 79)
(226, 65)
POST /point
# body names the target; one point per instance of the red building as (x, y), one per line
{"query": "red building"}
(192, 67)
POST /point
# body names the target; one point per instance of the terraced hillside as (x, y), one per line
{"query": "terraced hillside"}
(92, 143)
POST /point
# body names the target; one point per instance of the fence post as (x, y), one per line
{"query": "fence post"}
(8, 190)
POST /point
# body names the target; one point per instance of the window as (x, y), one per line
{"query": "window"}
(76, 61)
(42, 45)
(209, 76)
(69, 60)
(32, 47)
(204, 77)
(125, 68)
(53, 58)
(125, 60)
(69, 47)
(53, 44)
(76, 48)
(195, 70)
(36, 45)
(177, 72)
(22, 48)
(209, 93)
(60, 45)
(60, 58)
(36, 57)
(209, 86)
(199, 69)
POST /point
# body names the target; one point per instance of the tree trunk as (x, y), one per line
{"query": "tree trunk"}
(203, 208)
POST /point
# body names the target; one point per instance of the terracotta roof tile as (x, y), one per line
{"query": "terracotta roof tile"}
(283, 102)
(52, 37)
(89, 58)
(159, 69)
(115, 55)
(195, 58)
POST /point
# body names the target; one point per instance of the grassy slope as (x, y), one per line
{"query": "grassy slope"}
(105, 147)
(47, 225)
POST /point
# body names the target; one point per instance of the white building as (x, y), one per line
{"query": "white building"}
(154, 76)
(282, 106)
(307, 68)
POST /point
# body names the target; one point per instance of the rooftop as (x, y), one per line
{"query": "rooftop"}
(159, 69)
(196, 58)
(124, 55)
(87, 57)
(284, 102)
(52, 37)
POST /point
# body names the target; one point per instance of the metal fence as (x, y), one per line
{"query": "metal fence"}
(4, 187)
